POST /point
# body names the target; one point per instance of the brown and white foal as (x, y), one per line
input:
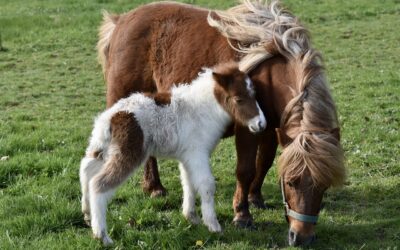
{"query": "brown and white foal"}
(185, 124)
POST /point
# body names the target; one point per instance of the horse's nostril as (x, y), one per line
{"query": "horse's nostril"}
(292, 238)
(297, 240)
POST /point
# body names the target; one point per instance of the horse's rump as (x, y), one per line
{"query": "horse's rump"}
(170, 42)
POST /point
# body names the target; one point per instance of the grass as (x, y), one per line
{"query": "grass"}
(51, 87)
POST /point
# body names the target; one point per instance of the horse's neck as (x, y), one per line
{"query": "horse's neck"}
(273, 85)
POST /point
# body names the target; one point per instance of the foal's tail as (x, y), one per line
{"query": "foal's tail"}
(105, 32)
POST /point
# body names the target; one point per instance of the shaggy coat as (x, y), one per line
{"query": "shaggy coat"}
(185, 125)
(150, 48)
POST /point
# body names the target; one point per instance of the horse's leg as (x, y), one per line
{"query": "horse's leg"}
(199, 172)
(89, 168)
(265, 157)
(151, 179)
(246, 149)
(189, 197)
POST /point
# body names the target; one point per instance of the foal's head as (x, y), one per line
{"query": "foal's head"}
(235, 93)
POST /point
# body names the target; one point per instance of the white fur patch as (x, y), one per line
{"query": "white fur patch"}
(257, 123)
(176, 130)
(250, 86)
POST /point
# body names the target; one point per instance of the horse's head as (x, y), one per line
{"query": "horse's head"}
(310, 163)
(312, 157)
(235, 92)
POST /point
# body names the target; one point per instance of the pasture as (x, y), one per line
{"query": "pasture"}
(51, 88)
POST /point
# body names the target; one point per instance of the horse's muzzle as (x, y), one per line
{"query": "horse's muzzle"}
(297, 240)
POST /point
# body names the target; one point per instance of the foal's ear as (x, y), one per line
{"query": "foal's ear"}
(222, 80)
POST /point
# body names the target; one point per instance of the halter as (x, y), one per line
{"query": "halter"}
(298, 216)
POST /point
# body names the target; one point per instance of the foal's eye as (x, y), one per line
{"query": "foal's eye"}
(237, 100)
(290, 184)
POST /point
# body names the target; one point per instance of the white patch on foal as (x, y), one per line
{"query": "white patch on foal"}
(187, 129)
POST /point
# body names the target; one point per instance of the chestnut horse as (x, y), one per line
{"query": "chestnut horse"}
(158, 44)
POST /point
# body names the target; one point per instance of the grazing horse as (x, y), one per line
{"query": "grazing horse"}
(158, 44)
(185, 124)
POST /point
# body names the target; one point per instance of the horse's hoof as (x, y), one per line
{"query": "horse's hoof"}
(246, 223)
(160, 192)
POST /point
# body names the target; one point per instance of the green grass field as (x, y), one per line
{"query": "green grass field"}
(51, 87)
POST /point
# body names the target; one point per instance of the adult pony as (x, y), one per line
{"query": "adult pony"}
(155, 45)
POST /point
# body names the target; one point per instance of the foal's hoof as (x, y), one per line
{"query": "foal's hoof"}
(86, 218)
(105, 239)
(214, 227)
(193, 218)
(244, 222)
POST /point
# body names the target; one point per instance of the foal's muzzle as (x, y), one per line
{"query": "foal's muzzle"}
(257, 123)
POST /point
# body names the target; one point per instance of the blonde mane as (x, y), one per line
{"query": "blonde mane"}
(310, 120)
(262, 30)
(257, 25)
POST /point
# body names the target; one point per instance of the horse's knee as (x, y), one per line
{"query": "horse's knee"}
(245, 173)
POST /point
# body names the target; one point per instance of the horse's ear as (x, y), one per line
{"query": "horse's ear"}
(221, 79)
(336, 133)
(272, 48)
(283, 138)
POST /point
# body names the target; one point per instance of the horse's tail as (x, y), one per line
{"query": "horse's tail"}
(105, 32)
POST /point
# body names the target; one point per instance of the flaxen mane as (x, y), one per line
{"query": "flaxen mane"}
(263, 29)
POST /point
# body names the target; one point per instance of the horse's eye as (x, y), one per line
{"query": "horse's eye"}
(290, 184)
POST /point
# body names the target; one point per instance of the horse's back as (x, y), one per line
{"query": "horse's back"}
(159, 44)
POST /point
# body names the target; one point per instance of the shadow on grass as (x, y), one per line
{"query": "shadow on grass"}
(353, 217)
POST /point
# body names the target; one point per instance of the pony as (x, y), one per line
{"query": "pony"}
(185, 124)
(151, 47)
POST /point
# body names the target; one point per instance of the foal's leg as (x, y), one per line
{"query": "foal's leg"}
(265, 158)
(125, 153)
(203, 181)
(102, 187)
(90, 166)
(189, 196)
